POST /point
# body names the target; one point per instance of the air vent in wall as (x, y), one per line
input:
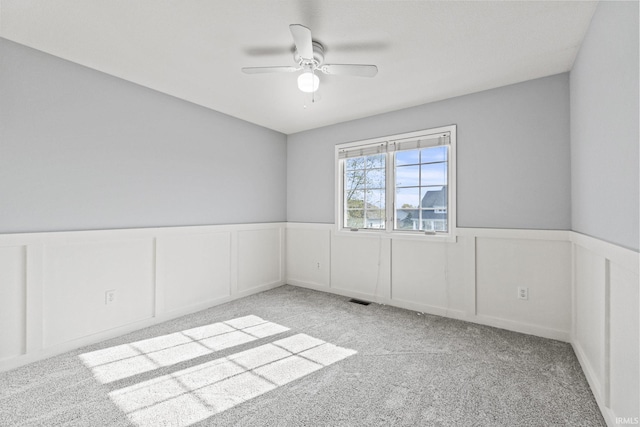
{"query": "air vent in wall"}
(359, 301)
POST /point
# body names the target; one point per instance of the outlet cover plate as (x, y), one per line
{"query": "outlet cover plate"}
(110, 296)
(523, 293)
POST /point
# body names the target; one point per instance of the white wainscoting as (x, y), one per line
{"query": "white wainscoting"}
(260, 259)
(475, 278)
(541, 266)
(606, 324)
(12, 301)
(53, 285)
(76, 276)
(581, 290)
(311, 265)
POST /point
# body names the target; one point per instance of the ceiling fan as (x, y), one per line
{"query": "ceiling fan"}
(309, 55)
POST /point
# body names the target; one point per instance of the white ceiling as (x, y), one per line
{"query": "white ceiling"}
(193, 49)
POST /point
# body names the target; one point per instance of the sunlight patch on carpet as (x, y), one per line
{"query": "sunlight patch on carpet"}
(198, 392)
(126, 360)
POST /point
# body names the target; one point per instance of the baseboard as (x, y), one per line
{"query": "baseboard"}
(309, 285)
(509, 325)
(337, 291)
(523, 328)
(428, 309)
(258, 289)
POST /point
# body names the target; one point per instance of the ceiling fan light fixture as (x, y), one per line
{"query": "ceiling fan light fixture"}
(308, 82)
(309, 58)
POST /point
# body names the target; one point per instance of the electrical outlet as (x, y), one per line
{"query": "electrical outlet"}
(318, 266)
(523, 293)
(110, 297)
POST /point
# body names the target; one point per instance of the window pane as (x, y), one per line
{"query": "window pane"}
(375, 199)
(374, 178)
(434, 225)
(355, 218)
(434, 217)
(354, 199)
(407, 198)
(434, 197)
(407, 219)
(433, 221)
(364, 191)
(434, 154)
(376, 161)
(355, 163)
(407, 176)
(408, 157)
(374, 219)
(354, 180)
(434, 174)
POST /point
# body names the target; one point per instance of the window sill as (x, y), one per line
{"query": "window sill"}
(399, 235)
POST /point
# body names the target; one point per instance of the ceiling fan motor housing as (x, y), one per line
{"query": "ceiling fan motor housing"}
(318, 56)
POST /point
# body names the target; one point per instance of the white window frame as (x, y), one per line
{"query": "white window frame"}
(449, 236)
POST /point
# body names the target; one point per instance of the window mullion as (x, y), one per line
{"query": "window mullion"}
(390, 199)
(420, 190)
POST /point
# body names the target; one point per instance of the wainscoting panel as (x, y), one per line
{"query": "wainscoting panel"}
(53, 285)
(361, 266)
(428, 275)
(624, 327)
(543, 267)
(192, 269)
(606, 329)
(12, 301)
(308, 257)
(260, 258)
(590, 313)
(439, 277)
(77, 277)
(606, 326)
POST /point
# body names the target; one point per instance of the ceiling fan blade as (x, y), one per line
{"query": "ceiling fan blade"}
(302, 39)
(263, 70)
(350, 69)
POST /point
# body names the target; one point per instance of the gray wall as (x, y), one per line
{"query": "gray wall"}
(513, 156)
(83, 150)
(604, 127)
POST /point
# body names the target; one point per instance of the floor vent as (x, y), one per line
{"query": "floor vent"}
(359, 301)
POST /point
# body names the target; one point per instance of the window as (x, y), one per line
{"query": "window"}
(364, 191)
(403, 183)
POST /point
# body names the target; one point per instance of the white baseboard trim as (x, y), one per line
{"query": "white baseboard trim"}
(523, 328)
(309, 285)
(258, 289)
(429, 309)
(337, 291)
(444, 312)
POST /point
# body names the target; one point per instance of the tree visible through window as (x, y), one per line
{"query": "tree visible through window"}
(364, 191)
